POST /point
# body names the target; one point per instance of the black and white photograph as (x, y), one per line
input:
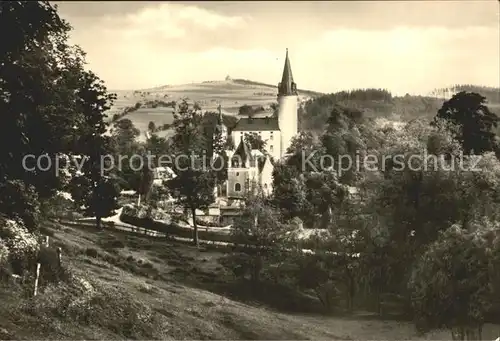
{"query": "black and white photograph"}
(250, 170)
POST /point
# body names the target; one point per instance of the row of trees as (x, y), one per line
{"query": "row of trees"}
(491, 94)
(427, 234)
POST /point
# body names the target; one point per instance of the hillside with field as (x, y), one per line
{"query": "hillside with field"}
(156, 104)
(126, 286)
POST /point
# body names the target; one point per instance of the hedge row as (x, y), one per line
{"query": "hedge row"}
(174, 229)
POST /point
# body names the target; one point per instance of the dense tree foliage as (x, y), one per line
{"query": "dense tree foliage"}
(249, 110)
(260, 238)
(255, 141)
(452, 281)
(490, 93)
(52, 106)
(193, 186)
(94, 190)
(128, 153)
(473, 121)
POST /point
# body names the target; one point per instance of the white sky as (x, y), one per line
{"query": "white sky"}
(411, 46)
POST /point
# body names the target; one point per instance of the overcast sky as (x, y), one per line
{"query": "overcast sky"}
(407, 46)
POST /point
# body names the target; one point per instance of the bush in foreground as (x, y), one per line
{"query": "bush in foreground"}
(453, 282)
(82, 302)
(18, 247)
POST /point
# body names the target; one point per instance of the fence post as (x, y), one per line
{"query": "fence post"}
(38, 266)
(59, 252)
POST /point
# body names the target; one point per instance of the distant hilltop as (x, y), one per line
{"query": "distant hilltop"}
(157, 104)
(227, 82)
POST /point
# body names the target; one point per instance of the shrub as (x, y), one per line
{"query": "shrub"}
(51, 271)
(159, 214)
(207, 223)
(18, 247)
(129, 210)
(89, 303)
(91, 252)
(452, 282)
(113, 244)
(20, 202)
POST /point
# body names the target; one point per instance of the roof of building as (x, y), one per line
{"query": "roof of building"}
(257, 124)
(243, 151)
(287, 87)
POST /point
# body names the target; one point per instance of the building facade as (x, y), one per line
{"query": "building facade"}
(251, 169)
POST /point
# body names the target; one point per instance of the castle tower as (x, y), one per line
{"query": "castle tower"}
(287, 101)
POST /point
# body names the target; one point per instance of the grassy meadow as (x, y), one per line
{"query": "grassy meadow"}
(141, 287)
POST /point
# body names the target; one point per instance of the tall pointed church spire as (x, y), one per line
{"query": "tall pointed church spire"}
(287, 87)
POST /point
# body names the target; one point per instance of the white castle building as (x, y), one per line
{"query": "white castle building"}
(249, 168)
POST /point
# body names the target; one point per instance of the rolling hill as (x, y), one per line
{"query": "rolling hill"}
(153, 104)
(230, 94)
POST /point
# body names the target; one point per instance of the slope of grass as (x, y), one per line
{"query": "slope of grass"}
(129, 286)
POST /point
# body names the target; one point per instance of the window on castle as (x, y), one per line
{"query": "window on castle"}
(271, 147)
(237, 187)
(236, 163)
(237, 173)
(271, 136)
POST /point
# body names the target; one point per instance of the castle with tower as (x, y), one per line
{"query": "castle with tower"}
(250, 168)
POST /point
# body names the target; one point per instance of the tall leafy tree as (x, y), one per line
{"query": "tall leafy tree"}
(342, 142)
(35, 92)
(153, 150)
(415, 199)
(127, 153)
(468, 111)
(255, 141)
(94, 191)
(452, 282)
(216, 143)
(193, 186)
(42, 78)
(260, 237)
(289, 193)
